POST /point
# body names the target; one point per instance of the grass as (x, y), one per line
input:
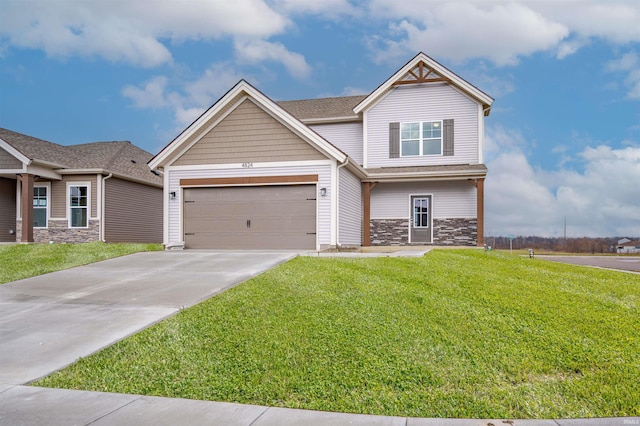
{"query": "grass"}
(27, 260)
(454, 334)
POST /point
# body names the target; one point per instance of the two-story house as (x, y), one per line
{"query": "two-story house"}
(402, 165)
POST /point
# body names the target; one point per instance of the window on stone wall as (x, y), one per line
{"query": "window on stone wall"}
(40, 204)
(78, 206)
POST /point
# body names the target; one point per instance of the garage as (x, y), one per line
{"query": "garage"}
(250, 217)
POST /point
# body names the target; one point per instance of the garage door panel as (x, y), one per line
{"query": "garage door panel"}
(262, 217)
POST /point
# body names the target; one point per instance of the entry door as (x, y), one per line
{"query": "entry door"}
(420, 222)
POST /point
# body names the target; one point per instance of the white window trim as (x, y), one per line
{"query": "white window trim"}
(72, 184)
(48, 214)
(420, 140)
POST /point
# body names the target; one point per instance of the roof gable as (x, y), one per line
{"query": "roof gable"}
(248, 134)
(420, 70)
(209, 119)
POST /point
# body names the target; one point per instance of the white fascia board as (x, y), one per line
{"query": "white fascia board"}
(35, 169)
(106, 172)
(239, 166)
(455, 79)
(17, 154)
(462, 174)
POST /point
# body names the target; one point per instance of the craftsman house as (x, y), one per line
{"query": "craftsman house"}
(101, 191)
(402, 165)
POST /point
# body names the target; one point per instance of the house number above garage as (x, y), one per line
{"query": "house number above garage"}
(247, 165)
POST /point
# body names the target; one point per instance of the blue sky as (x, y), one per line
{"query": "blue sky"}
(563, 137)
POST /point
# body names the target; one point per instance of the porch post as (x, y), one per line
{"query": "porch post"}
(26, 203)
(366, 214)
(480, 211)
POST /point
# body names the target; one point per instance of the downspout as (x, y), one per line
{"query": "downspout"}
(338, 245)
(102, 209)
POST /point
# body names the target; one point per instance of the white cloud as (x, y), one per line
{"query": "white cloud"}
(256, 51)
(150, 95)
(457, 31)
(326, 8)
(601, 200)
(502, 31)
(131, 31)
(628, 63)
(189, 99)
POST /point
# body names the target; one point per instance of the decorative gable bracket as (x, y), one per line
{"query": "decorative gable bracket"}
(421, 73)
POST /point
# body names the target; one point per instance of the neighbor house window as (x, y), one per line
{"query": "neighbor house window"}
(40, 206)
(78, 206)
(423, 138)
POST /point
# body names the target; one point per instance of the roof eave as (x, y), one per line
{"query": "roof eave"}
(413, 176)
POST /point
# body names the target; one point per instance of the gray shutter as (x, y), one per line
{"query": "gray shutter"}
(394, 140)
(447, 137)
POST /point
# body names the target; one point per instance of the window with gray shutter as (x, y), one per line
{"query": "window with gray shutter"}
(394, 140)
(447, 137)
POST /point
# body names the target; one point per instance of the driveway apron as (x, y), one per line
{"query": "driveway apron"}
(48, 322)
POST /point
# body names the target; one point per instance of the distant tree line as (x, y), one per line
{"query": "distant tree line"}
(571, 245)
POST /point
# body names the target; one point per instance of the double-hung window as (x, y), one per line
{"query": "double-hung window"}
(78, 206)
(421, 138)
(40, 206)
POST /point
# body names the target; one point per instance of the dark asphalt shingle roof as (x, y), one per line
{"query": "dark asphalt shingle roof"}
(121, 157)
(309, 109)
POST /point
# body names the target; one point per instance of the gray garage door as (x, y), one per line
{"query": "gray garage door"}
(257, 217)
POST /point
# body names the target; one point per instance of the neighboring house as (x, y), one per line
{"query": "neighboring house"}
(627, 246)
(101, 191)
(402, 165)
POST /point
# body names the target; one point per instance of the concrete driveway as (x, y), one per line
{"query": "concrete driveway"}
(48, 322)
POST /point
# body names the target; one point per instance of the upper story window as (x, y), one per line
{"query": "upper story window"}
(422, 138)
(78, 206)
(40, 206)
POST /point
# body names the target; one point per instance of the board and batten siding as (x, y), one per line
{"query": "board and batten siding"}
(324, 203)
(414, 103)
(248, 135)
(451, 199)
(350, 209)
(132, 212)
(7, 210)
(347, 137)
(59, 202)
(8, 161)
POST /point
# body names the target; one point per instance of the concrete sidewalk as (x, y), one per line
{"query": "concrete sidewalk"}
(24, 405)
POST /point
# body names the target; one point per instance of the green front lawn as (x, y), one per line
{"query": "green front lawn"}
(18, 261)
(454, 334)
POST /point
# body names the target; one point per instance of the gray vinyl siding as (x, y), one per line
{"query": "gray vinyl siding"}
(413, 103)
(451, 199)
(7, 210)
(8, 161)
(133, 212)
(59, 203)
(350, 206)
(345, 136)
(324, 203)
(248, 135)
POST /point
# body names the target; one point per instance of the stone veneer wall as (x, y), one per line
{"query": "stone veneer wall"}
(455, 232)
(58, 232)
(389, 232)
(446, 232)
